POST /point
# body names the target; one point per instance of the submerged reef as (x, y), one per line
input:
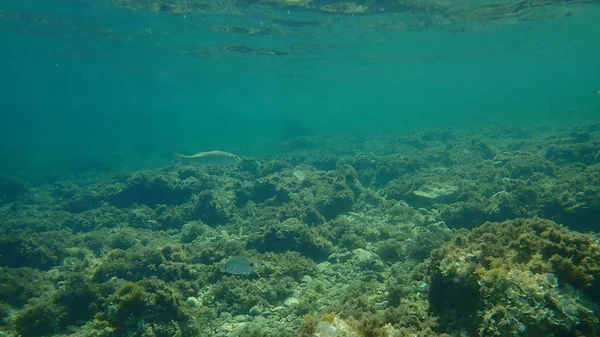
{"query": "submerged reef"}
(524, 277)
(435, 233)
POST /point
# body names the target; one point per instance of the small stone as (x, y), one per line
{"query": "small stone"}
(277, 309)
(323, 266)
(255, 311)
(423, 287)
(242, 318)
(299, 175)
(291, 301)
(339, 257)
(377, 266)
(382, 305)
(192, 302)
(436, 192)
(365, 258)
(331, 271)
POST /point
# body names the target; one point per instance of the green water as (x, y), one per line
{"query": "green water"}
(87, 81)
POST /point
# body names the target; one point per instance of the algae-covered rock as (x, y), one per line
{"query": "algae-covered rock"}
(211, 207)
(38, 319)
(76, 300)
(192, 230)
(19, 285)
(517, 278)
(287, 264)
(293, 235)
(341, 201)
(393, 167)
(341, 229)
(152, 188)
(524, 164)
(37, 250)
(435, 193)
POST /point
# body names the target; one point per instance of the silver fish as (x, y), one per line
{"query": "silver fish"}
(239, 265)
(210, 158)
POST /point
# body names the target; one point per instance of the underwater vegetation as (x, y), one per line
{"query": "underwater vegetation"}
(436, 233)
(523, 277)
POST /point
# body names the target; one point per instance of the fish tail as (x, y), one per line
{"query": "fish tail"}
(179, 159)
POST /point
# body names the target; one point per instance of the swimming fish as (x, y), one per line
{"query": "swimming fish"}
(239, 265)
(210, 158)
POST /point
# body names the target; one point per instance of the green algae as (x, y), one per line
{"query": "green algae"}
(292, 235)
(346, 242)
(522, 277)
(74, 300)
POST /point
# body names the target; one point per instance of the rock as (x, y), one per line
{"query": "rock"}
(364, 258)
(255, 311)
(277, 309)
(339, 257)
(192, 302)
(323, 267)
(435, 193)
(291, 301)
(299, 175)
(242, 318)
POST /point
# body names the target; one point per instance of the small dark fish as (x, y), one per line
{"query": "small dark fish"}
(239, 265)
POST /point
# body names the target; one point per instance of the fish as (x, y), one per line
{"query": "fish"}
(239, 265)
(210, 158)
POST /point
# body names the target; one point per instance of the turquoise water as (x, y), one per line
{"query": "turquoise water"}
(425, 169)
(87, 81)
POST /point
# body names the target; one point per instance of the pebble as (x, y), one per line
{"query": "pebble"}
(364, 258)
(299, 175)
(306, 279)
(291, 301)
(423, 287)
(323, 267)
(339, 257)
(255, 311)
(242, 318)
(377, 266)
(277, 309)
(192, 302)
(382, 305)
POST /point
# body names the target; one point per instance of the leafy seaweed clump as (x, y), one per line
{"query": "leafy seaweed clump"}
(518, 278)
